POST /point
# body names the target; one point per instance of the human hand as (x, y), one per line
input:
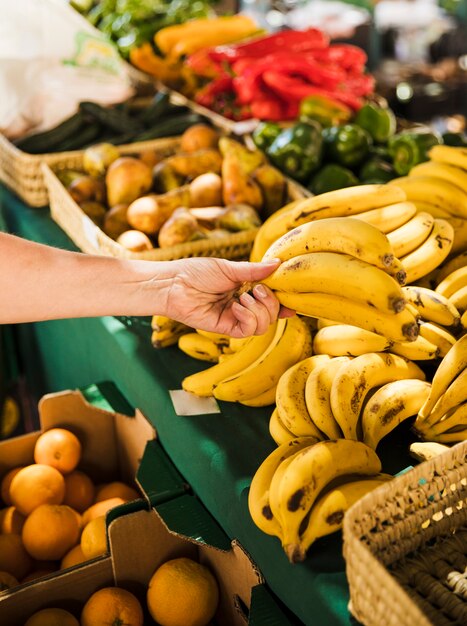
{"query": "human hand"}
(203, 294)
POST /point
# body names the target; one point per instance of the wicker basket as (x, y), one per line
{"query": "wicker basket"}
(91, 239)
(405, 546)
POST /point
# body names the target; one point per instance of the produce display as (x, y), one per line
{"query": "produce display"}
(54, 514)
(206, 186)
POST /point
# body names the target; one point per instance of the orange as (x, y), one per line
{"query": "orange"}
(50, 531)
(116, 489)
(11, 521)
(94, 538)
(52, 617)
(13, 557)
(7, 581)
(100, 508)
(79, 491)
(73, 557)
(59, 448)
(112, 606)
(35, 485)
(182, 592)
(6, 482)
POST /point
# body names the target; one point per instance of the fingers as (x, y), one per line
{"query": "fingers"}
(285, 312)
(241, 271)
(255, 314)
(264, 295)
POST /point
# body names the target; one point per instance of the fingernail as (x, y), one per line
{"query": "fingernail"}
(247, 298)
(260, 291)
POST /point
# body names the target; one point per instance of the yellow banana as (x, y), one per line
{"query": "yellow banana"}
(419, 350)
(435, 191)
(168, 336)
(411, 235)
(450, 367)
(258, 496)
(339, 274)
(161, 322)
(388, 218)
(395, 326)
(237, 343)
(273, 228)
(346, 340)
(277, 430)
(451, 173)
(327, 513)
(450, 155)
(354, 380)
(452, 436)
(220, 340)
(324, 323)
(452, 265)
(283, 352)
(263, 399)
(344, 235)
(345, 202)
(432, 209)
(308, 474)
(199, 347)
(390, 405)
(202, 383)
(431, 253)
(432, 306)
(453, 282)
(426, 450)
(317, 396)
(459, 225)
(459, 299)
(290, 397)
(438, 336)
(454, 396)
(454, 420)
(464, 320)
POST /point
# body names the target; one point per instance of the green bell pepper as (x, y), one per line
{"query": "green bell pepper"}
(265, 133)
(457, 140)
(380, 122)
(297, 150)
(376, 170)
(347, 145)
(330, 177)
(325, 111)
(409, 148)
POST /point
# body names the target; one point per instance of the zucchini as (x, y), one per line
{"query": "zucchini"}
(115, 119)
(47, 141)
(169, 127)
(159, 105)
(86, 136)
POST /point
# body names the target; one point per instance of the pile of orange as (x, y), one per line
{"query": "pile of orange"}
(53, 515)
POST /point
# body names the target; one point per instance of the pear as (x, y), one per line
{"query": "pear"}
(126, 179)
(238, 217)
(135, 241)
(97, 158)
(180, 228)
(115, 221)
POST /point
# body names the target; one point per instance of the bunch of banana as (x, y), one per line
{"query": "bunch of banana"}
(342, 269)
(290, 494)
(451, 265)
(443, 416)
(166, 332)
(251, 373)
(432, 306)
(352, 201)
(454, 287)
(204, 345)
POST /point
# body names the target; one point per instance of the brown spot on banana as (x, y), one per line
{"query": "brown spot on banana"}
(295, 501)
(266, 512)
(335, 518)
(392, 412)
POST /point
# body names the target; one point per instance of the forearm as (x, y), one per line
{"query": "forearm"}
(42, 283)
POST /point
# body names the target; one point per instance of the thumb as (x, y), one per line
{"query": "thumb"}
(252, 272)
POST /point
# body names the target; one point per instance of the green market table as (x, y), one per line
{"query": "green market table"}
(217, 454)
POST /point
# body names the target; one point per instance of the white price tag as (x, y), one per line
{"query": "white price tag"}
(90, 231)
(186, 403)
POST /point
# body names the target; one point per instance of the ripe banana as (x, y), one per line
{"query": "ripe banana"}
(426, 450)
(419, 350)
(346, 340)
(432, 209)
(161, 322)
(459, 299)
(345, 202)
(202, 383)
(432, 306)
(258, 496)
(436, 191)
(454, 421)
(168, 336)
(454, 395)
(283, 352)
(290, 397)
(453, 282)
(388, 218)
(277, 430)
(338, 274)
(220, 340)
(451, 437)
(308, 474)
(199, 347)
(395, 326)
(452, 265)
(273, 228)
(438, 336)
(355, 379)
(411, 235)
(464, 320)
(390, 405)
(451, 173)
(317, 396)
(237, 343)
(324, 323)
(327, 514)
(449, 155)
(450, 367)
(344, 235)
(263, 399)
(459, 225)
(431, 253)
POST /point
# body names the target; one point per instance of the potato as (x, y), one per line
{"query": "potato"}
(115, 222)
(206, 190)
(199, 137)
(135, 241)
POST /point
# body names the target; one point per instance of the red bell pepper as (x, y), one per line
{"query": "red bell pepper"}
(207, 94)
(345, 55)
